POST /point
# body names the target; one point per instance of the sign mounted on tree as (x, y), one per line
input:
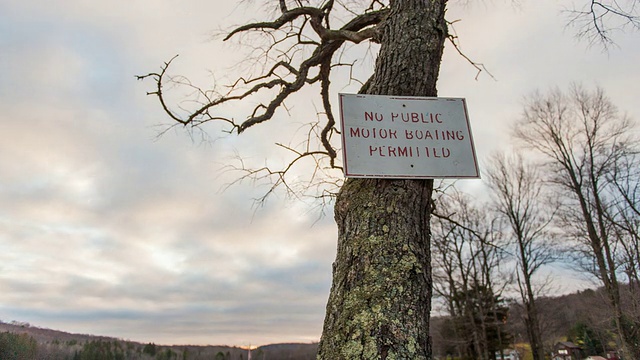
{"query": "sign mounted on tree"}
(406, 137)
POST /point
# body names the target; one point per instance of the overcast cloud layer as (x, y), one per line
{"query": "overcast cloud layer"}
(105, 229)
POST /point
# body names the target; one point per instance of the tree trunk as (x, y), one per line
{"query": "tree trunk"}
(599, 242)
(528, 298)
(533, 329)
(381, 294)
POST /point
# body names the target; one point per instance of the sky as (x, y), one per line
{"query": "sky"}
(107, 228)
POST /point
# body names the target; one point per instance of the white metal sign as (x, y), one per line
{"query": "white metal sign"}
(406, 137)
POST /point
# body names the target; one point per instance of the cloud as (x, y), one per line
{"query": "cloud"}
(102, 225)
(105, 229)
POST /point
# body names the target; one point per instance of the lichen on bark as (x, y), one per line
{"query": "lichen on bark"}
(379, 303)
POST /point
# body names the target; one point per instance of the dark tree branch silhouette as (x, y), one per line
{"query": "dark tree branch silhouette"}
(597, 20)
(516, 186)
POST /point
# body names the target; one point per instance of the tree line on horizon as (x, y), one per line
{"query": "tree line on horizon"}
(576, 317)
(27, 343)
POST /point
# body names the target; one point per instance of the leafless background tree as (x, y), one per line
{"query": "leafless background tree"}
(518, 197)
(468, 256)
(583, 138)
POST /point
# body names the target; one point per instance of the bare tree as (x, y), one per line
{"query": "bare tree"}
(381, 294)
(468, 253)
(625, 180)
(582, 138)
(625, 215)
(517, 190)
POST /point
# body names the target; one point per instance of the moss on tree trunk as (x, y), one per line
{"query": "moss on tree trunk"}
(381, 294)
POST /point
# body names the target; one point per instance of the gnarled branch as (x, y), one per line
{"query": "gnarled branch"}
(598, 19)
(291, 36)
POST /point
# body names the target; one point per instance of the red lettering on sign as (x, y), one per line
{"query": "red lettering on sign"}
(434, 152)
(394, 151)
(429, 135)
(373, 133)
(408, 134)
(414, 117)
(370, 116)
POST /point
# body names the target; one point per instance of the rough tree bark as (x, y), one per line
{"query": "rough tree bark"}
(381, 294)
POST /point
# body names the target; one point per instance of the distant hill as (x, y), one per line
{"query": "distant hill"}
(566, 317)
(560, 316)
(43, 335)
(40, 343)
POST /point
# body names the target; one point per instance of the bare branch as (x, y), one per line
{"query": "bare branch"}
(286, 18)
(299, 51)
(598, 19)
(326, 102)
(453, 38)
(158, 77)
